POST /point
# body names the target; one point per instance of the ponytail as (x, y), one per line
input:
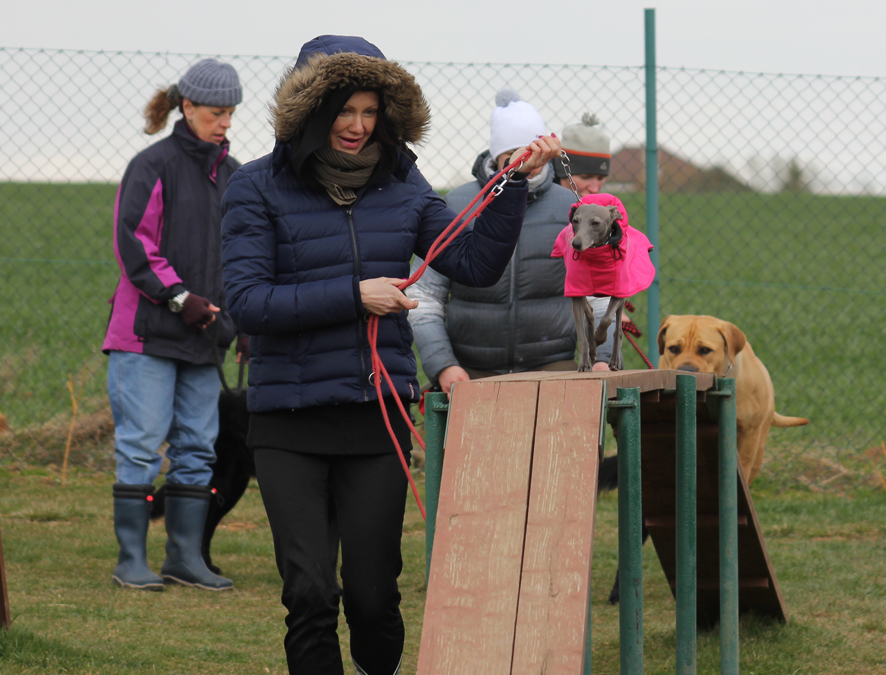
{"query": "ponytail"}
(158, 108)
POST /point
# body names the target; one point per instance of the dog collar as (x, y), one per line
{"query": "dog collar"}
(727, 370)
(615, 237)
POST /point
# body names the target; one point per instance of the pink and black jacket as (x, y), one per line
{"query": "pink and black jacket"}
(167, 239)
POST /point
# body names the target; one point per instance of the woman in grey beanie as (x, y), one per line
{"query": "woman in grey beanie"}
(162, 379)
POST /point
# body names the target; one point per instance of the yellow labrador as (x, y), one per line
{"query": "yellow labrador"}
(705, 344)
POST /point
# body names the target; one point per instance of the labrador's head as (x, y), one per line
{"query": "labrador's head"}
(698, 344)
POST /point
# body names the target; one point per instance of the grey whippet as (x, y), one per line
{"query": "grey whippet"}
(593, 226)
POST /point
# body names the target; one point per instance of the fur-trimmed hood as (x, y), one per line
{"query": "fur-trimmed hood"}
(329, 63)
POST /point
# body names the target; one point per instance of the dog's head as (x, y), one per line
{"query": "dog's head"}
(592, 225)
(698, 344)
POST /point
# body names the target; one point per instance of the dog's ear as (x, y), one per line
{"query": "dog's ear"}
(733, 337)
(661, 333)
(615, 213)
(572, 211)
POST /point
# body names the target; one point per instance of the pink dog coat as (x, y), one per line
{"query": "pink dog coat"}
(601, 271)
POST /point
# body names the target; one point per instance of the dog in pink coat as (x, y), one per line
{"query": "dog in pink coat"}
(604, 256)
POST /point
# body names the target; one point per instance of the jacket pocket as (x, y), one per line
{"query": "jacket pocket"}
(157, 321)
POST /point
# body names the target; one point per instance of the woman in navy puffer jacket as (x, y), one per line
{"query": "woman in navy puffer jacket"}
(315, 238)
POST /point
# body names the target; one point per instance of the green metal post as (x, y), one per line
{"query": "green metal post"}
(630, 533)
(686, 518)
(587, 670)
(728, 529)
(436, 416)
(653, 295)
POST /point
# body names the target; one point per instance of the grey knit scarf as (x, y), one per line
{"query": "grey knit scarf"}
(342, 173)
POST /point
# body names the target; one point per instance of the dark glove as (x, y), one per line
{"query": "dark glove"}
(242, 348)
(196, 312)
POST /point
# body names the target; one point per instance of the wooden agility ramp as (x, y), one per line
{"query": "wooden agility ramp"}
(509, 580)
(757, 585)
(5, 614)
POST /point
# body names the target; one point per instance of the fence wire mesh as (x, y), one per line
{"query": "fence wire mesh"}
(772, 211)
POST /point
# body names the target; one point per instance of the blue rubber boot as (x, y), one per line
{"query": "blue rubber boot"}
(132, 515)
(186, 508)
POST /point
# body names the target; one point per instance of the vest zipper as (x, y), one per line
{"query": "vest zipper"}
(364, 378)
(512, 338)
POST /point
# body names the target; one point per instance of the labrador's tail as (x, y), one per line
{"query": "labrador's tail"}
(781, 421)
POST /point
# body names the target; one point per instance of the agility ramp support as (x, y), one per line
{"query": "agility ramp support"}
(5, 615)
(682, 415)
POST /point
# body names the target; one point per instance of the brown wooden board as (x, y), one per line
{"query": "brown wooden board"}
(552, 614)
(758, 587)
(471, 606)
(644, 380)
(5, 615)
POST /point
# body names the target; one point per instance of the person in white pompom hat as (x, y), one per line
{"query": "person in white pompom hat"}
(523, 322)
(512, 119)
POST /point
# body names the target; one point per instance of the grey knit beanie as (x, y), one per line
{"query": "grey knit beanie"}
(211, 82)
(587, 146)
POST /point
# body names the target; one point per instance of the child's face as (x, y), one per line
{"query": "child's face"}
(586, 183)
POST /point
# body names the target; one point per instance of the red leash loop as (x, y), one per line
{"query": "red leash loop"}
(446, 237)
(629, 328)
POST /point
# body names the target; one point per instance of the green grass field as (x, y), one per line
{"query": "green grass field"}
(827, 550)
(801, 274)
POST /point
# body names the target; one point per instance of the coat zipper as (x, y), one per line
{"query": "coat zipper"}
(364, 380)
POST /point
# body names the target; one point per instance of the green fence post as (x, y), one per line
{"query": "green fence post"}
(653, 295)
(630, 532)
(728, 529)
(436, 416)
(686, 517)
(588, 666)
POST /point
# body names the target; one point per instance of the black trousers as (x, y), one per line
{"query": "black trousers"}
(369, 492)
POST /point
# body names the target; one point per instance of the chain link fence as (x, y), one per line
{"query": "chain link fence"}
(772, 211)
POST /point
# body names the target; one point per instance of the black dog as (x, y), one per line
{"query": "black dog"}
(234, 466)
(231, 471)
(608, 480)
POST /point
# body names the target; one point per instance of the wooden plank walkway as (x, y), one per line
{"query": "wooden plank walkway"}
(758, 587)
(509, 583)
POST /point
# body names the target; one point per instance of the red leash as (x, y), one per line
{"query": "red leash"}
(629, 328)
(446, 237)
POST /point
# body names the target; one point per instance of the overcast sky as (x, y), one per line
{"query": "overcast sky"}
(830, 37)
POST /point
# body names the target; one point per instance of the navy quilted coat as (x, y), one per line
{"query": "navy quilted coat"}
(293, 260)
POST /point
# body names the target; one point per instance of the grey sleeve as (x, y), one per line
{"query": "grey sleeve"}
(604, 351)
(428, 321)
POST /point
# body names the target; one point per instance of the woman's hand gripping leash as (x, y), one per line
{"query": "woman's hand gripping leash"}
(385, 295)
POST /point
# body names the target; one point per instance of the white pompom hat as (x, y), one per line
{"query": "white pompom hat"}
(514, 123)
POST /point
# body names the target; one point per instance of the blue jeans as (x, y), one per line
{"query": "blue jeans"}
(155, 399)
